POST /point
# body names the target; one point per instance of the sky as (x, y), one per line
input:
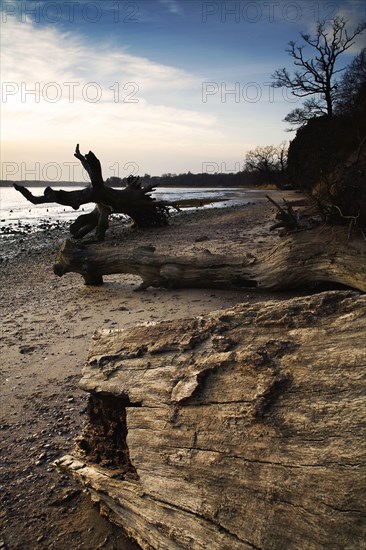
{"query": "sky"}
(150, 86)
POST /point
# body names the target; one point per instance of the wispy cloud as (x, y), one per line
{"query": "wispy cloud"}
(58, 89)
(352, 11)
(83, 82)
(173, 6)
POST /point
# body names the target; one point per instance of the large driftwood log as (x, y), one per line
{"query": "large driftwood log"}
(134, 200)
(245, 428)
(301, 259)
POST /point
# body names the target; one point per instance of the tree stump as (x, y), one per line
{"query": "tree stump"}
(244, 428)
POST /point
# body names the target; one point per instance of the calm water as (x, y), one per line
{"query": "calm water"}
(15, 209)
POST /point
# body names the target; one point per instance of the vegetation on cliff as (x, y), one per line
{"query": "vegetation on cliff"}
(327, 158)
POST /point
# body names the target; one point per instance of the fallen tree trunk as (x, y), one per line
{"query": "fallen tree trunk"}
(299, 260)
(134, 200)
(244, 428)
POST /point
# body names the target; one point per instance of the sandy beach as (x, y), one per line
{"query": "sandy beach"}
(47, 325)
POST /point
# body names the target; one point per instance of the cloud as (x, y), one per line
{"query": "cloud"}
(59, 89)
(32, 53)
(173, 6)
(352, 11)
(63, 87)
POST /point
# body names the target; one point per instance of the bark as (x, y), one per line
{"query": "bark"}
(134, 200)
(300, 260)
(245, 427)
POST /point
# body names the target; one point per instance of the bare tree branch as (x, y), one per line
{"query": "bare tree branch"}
(316, 74)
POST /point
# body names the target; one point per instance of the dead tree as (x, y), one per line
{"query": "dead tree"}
(134, 200)
(241, 429)
(301, 259)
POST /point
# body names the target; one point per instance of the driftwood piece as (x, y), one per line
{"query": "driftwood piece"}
(245, 427)
(134, 200)
(302, 259)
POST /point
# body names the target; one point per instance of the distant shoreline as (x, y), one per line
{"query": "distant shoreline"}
(59, 184)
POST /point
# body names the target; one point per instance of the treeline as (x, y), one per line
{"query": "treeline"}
(245, 178)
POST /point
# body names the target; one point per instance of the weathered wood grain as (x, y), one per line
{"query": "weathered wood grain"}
(246, 427)
(299, 260)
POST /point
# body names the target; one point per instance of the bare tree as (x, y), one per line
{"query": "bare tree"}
(351, 84)
(315, 77)
(269, 160)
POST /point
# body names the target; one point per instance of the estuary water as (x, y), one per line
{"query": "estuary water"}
(17, 213)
